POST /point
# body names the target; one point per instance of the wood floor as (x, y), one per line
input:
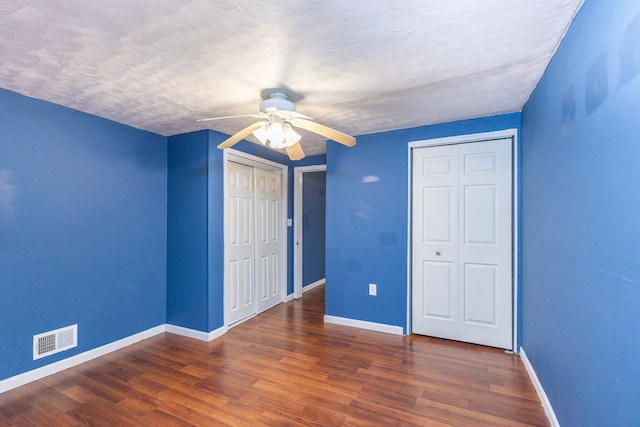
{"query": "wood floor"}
(285, 368)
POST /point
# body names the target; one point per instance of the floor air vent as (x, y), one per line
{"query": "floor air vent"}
(55, 341)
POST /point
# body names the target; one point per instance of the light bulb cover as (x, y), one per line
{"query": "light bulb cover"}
(279, 134)
(262, 134)
(290, 136)
(276, 135)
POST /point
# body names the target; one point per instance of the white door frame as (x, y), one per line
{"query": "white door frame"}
(297, 224)
(230, 154)
(466, 139)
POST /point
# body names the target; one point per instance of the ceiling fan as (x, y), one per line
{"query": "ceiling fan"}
(278, 117)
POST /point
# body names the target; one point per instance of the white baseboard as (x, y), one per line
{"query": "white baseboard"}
(313, 285)
(290, 297)
(61, 365)
(199, 335)
(363, 324)
(538, 386)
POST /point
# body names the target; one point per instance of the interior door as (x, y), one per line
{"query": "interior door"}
(268, 239)
(462, 242)
(240, 243)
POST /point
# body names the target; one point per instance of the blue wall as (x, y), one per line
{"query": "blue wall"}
(581, 220)
(215, 227)
(82, 229)
(313, 226)
(187, 231)
(366, 237)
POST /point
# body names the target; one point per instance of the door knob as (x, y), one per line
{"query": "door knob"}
(438, 253)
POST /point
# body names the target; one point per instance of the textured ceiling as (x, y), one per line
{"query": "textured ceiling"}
(357, 66)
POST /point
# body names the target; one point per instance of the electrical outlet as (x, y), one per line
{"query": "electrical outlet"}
(373, 289)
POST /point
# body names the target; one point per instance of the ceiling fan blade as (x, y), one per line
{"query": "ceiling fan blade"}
(210, 119)
(240, 135)
(293, 115)
(295, 151)
(325, 131)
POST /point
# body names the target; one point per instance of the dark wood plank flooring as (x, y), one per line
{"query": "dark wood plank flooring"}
(285, 368)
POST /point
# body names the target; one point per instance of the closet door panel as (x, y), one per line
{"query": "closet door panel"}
(239, 291)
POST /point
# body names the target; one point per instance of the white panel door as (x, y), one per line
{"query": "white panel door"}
(485, 255)
(462, 242)
(435, 240)
(268, 239)
(239, 288)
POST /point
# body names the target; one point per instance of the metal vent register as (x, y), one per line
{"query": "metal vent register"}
(56, 341)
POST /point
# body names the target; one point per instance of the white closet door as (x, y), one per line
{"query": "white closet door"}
(240, 243)
(462, 243)
(268, 239)
(485, 225)
(435, 241)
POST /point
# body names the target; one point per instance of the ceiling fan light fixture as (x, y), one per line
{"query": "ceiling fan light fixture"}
(262, 134)
(291, 137)
(279, 134)
(276, 135)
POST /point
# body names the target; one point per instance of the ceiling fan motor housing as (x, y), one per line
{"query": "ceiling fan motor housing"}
(277, 101)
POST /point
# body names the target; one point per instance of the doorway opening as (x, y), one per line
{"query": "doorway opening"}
(309, 228)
